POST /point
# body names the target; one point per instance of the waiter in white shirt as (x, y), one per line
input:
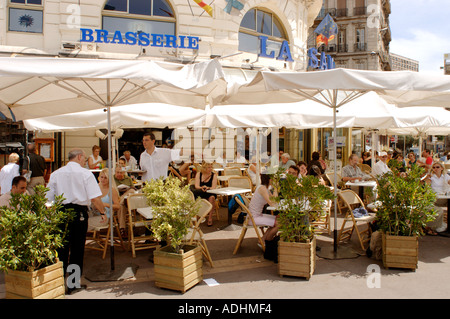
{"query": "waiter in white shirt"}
(154, 160)
(79, 188)
(381, 167)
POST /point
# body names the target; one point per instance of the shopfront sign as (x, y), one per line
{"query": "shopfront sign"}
(139, 38)
(283, 55)
(326, 62)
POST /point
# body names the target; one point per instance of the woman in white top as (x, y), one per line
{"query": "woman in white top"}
(260, 198)
(439, 179)
(95, 159)
(440, 183)
(8, 172)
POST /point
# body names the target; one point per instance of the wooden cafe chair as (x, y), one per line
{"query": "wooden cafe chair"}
(136, 221)
(195, 234)
(100, 236)
(351, 200)
(259, 229)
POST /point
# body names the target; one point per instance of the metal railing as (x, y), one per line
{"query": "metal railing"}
(360, 47)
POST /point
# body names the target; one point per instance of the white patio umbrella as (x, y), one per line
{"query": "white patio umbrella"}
(157, 115)
(335, 88)
(37, 87)
(422, 121)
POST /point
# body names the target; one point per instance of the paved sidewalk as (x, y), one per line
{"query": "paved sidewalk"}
(248, 275)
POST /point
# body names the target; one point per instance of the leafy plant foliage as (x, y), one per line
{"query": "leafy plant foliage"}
(173, 208)
(299, 202)
(407, 203)
(31, 232)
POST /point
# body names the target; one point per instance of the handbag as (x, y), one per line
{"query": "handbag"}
(27, 175)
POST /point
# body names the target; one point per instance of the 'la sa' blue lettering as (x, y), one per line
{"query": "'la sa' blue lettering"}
(283, 55)
(326, 62)
(140, 38)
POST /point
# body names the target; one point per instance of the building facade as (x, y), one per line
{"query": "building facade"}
(245, 35)
(401, 63)
(364, 33)
(362, 43)
(131, 29)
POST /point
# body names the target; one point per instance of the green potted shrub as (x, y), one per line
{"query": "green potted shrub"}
(177, 266)
(406, 206)
(300, 203)
(30, 234)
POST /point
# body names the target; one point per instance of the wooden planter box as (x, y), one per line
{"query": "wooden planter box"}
(178, 271)
(400, 251)
(297, 259)
(45, 283)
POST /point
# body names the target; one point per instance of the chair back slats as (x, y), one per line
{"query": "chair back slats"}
(349, 197)
(135, 201)
(240, 181)
(205, 207)
(232, 171)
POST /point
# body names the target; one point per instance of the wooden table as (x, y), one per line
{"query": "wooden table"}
(445, 196)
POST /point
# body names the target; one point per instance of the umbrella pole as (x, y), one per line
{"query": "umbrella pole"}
(99, 273)
(110, 177)
(335, 244)
(344, 252)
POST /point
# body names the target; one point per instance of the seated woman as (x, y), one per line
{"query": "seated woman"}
(440, 183)
(204, 181)
(103, 179)
(315, 167)
(260, 198)
(411, 160)
(303, 168)
(95, 161)
(366, 158)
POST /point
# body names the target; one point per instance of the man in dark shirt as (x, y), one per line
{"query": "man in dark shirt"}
(36, 164)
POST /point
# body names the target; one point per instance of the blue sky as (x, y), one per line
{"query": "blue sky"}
(421, 31)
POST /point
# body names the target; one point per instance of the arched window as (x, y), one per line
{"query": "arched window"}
(150, 16)
(260, 22)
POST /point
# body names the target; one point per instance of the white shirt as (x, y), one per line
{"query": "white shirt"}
(8, 172)
(157, 164)
(440, 184)
(380, 168)
(75, 183)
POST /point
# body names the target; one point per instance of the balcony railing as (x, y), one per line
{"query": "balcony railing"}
(326, 48)
(341, 13)
(359, 11)
(323, 13)
(360, 47)
(342, 48)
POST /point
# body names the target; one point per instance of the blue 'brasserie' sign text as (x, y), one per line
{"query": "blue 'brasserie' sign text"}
(140, 38)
